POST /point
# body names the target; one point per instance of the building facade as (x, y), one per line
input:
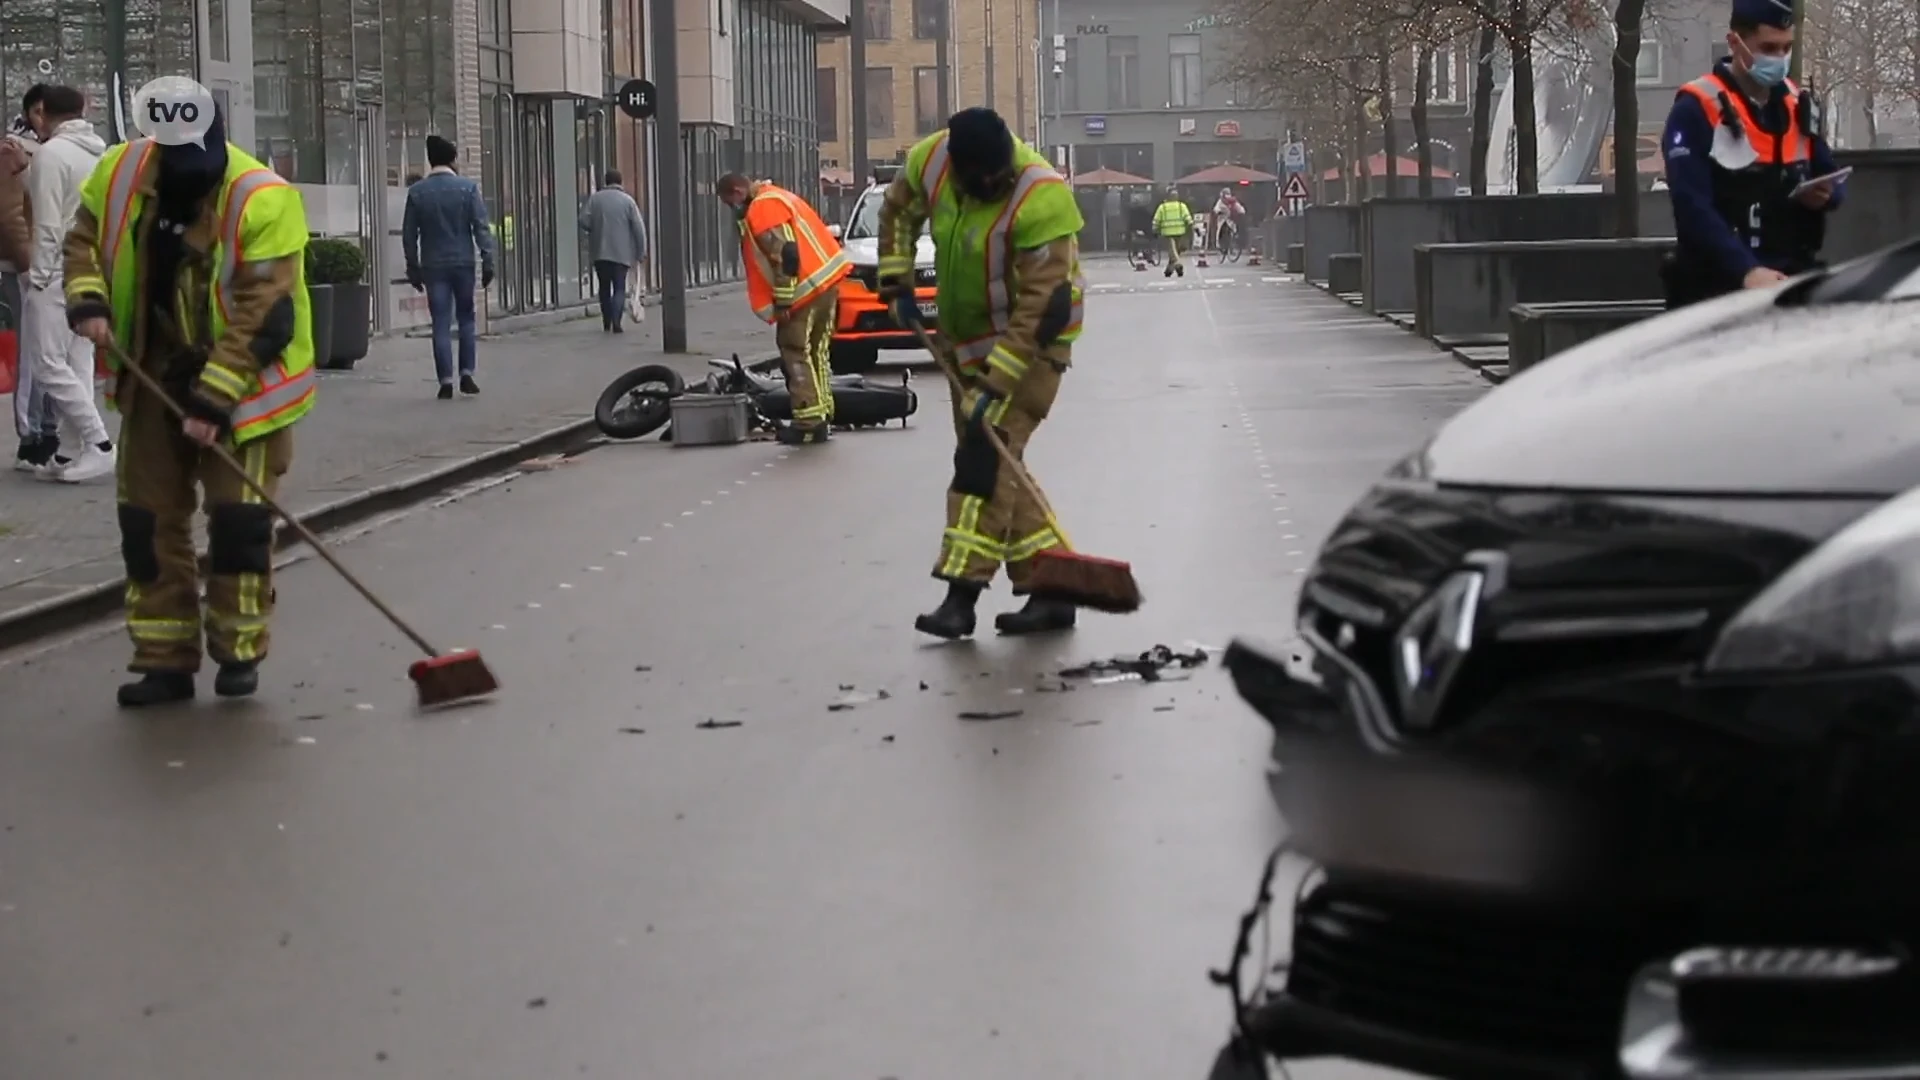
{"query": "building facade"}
(339, 96)
(990, 55)
(1138, 89)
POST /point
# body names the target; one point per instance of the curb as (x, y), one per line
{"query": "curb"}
(80, 606)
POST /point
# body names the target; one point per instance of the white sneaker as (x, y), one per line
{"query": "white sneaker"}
(92, 464)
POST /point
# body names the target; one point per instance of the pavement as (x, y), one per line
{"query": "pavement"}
(729, 816)
(376, 425)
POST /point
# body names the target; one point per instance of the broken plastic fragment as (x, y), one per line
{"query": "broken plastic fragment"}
(1147, 667)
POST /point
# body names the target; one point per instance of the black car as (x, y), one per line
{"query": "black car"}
(1603, 740)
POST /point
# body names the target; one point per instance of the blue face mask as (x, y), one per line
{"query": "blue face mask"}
(1769, 70)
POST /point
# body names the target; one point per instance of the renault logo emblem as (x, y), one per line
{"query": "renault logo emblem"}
(1432, 646)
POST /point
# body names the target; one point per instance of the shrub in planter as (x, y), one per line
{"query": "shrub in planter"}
(342, 303)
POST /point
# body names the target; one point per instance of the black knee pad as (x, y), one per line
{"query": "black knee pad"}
(239, 539)
(1057, 317)
(276, 332)
(137, 524)
(976, 465)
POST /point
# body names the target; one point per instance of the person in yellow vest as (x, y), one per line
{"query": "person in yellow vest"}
(190, 258)
(1007, 257)
(794, 269)
(1173, 219)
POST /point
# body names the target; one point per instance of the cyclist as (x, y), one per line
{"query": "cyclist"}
(1228, 213)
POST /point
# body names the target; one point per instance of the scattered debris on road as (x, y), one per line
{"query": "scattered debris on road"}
(537, 1003)
(643, 667)
(849, 697)
(633, 731)
(710, 724)
(1149, 666)
(997, 714)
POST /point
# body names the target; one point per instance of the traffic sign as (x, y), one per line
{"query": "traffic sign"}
(636, 99)
(1296, 187)
(1296, 157)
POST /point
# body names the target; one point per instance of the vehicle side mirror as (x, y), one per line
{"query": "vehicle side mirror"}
(834, 231)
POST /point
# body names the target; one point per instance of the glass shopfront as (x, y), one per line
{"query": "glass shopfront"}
(775, 137)
(82, 43)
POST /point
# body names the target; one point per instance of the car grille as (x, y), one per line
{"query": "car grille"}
(1482, 977)
(1591, 585)
(870, 277)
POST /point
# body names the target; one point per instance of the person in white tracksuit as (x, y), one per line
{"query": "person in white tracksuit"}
(62, 361)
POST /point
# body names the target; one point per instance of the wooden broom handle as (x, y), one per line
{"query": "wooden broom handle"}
(299, 527)
(1019, 468)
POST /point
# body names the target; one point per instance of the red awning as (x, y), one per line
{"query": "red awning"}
(1107, 178)
(1228, 174)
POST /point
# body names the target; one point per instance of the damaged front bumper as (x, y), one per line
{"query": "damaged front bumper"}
(1485, 984)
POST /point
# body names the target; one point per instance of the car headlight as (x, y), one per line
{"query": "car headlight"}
(1853, 600)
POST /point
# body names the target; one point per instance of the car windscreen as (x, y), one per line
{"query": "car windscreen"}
(866, 217)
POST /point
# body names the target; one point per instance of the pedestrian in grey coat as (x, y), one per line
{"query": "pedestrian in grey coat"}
(616, 242)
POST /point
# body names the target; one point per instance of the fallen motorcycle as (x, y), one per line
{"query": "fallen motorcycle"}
(640, 402)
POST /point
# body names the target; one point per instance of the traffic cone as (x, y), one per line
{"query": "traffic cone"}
(1253, 257)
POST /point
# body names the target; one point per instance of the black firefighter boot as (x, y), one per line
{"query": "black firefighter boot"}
(1038, 617)
(954, 617)
(237, 680)
(156, 688)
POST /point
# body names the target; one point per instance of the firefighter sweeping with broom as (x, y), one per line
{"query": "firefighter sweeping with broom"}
(1004, 227)
(184, 267)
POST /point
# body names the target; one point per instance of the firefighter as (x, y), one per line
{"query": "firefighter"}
(1008, 264)
(1173, 220)
(794, 269)
(190, 257)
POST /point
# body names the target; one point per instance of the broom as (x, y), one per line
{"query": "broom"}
(440, 679)
(1059, 574)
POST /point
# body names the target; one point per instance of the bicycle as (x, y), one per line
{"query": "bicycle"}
(1232, 244)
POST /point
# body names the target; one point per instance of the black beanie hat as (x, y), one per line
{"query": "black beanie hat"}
(188, 172)
(978, 141)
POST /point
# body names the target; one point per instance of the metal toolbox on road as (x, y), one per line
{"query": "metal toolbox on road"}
(710, 419)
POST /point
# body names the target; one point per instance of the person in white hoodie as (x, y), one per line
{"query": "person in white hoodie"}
(38, 428)
(62, 361)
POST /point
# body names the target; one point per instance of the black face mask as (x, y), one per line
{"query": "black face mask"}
(989, 188)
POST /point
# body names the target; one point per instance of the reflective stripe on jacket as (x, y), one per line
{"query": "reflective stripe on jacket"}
(259, 218)
(976, 244)
(821, 262)
(1790, 147)
(1173, 218)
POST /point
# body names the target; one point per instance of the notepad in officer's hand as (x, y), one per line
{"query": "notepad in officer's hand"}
(1833, 177)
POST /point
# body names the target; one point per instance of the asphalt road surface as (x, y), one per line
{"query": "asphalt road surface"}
(579, 879)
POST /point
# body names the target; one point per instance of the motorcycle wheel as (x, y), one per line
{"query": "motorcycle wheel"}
(639, 402)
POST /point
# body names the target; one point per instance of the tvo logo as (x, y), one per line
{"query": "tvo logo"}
(174, 111)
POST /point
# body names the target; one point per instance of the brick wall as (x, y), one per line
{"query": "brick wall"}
(466, 89)
(1013, 29)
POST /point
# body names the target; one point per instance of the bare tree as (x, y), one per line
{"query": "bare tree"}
(1485, 42)
(1627, 16)
(1519, 24)
(1327, 62)
(1863, 54)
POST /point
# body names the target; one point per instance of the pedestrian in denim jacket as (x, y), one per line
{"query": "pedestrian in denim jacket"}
(445, 228)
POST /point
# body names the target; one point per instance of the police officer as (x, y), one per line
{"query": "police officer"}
(1739, 143)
